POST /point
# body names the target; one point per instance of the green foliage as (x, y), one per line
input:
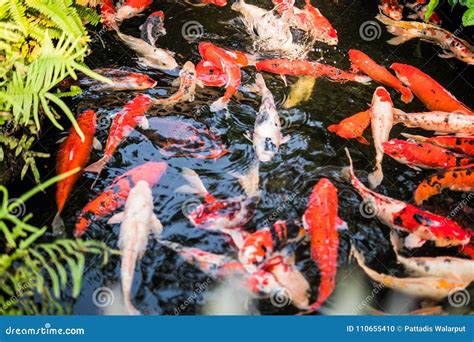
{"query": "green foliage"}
(468, 16)
(35, 275)
(42, 42)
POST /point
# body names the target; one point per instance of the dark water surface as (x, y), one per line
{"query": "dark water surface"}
(163, 282)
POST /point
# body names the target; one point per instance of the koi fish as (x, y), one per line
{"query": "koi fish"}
(430, 92)
(460, 144)
(121, 80)
(443, 266)
(321, 222)
(187, 87)
(149, 55)
(313, 69)
(381, 118)
(131, 8)
(392, 9)
(215, 214)
(115, 195)
(178, 138)
(440, 122)
(210, 75)
(73, 153)
(461, 179)
(225, 63)
(220, 3)
(452, 46)
(153, 28)
(421, 225)
(259, 246)
(360, 61)
(267, 136)
(419, 12)
(353, 127)
(301, 91)
(137, 222)
(424, 156)
(108, 13)
(124, 123)
(435, 288)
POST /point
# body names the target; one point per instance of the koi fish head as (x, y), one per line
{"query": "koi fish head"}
(381, 96)
(403, 72)
(159, 14)
(357, 57)
(150, 172)
(210, 75)
(204, 46)
(131, 8)
(393, 10)
(142, 81)
(188, 72)
(87, 122)
(395, 147)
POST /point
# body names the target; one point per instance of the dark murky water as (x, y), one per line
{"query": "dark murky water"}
(163, 281)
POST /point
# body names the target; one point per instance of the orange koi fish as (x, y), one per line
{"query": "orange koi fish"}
(313, 69)
(220, 58)
(360, 61)
(460, 144)
(426, 156)
(124, 123)
(187, 87)
(210, 75)
(131, 8)
(421, 225)
(115, 195)
(73, 153)
(430, 92)
(353, 127)
(321, 222)
(460, 179)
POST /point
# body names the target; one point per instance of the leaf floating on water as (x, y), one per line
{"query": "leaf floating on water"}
(301, 91)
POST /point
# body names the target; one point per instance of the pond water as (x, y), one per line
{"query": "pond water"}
(163, 281)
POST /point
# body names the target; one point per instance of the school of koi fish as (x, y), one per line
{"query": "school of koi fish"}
(264, 258)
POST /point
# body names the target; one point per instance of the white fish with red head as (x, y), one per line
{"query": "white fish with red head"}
(381, 119)
(138, 221)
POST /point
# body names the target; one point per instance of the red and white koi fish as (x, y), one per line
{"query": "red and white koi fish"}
(461, 179)
(442, 266)
(179, 138)
(353, 127)
(210, 75)
(187, 87)
(321, 221)
(440, 122)
(153, 28)
(435, 288)
(430, 92)
(108, 11)
(392, 9)
(215, 214)
(73, 153)
(421, 225)
(381, 119)
(460, 144)
(131, 8)
(360, 61)
(267, 136)
(121, 80)
(115, 195)
(313, 69)
(406, 30)
(259, 246)
(124, 123)
(149, 56)
(138, 221)
(419, 12)
(424, 156)
(220, 58)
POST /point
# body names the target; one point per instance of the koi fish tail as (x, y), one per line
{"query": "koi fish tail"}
(250, 181)
(132, 310)
(220, 104)
(402, 35)
(194, 186)
(58, 225)
(98, 166)
(348, 173)
(407, 95)
(376, 177)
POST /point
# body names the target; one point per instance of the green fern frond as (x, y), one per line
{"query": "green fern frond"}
(17, 11)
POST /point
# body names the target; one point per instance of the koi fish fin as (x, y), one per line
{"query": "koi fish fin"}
(144, 123)
(249, 182)
(362, 140)
(444, 133)
(446, 55)
(341, 225)
(362, 79)
(283, 78)
(416, 168)
(219, 104)
(96, 144)
(285, 139)
(407, 95)
(97, 166)
(156, 227)
(195, 186)
(413, 241)
(414, 137)
(250, 88)
(401, 33)
(200, 83)
(333, 128)
(117, 218)
(252, 58)
(58, 225)
(375, 178)
(176, 82)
